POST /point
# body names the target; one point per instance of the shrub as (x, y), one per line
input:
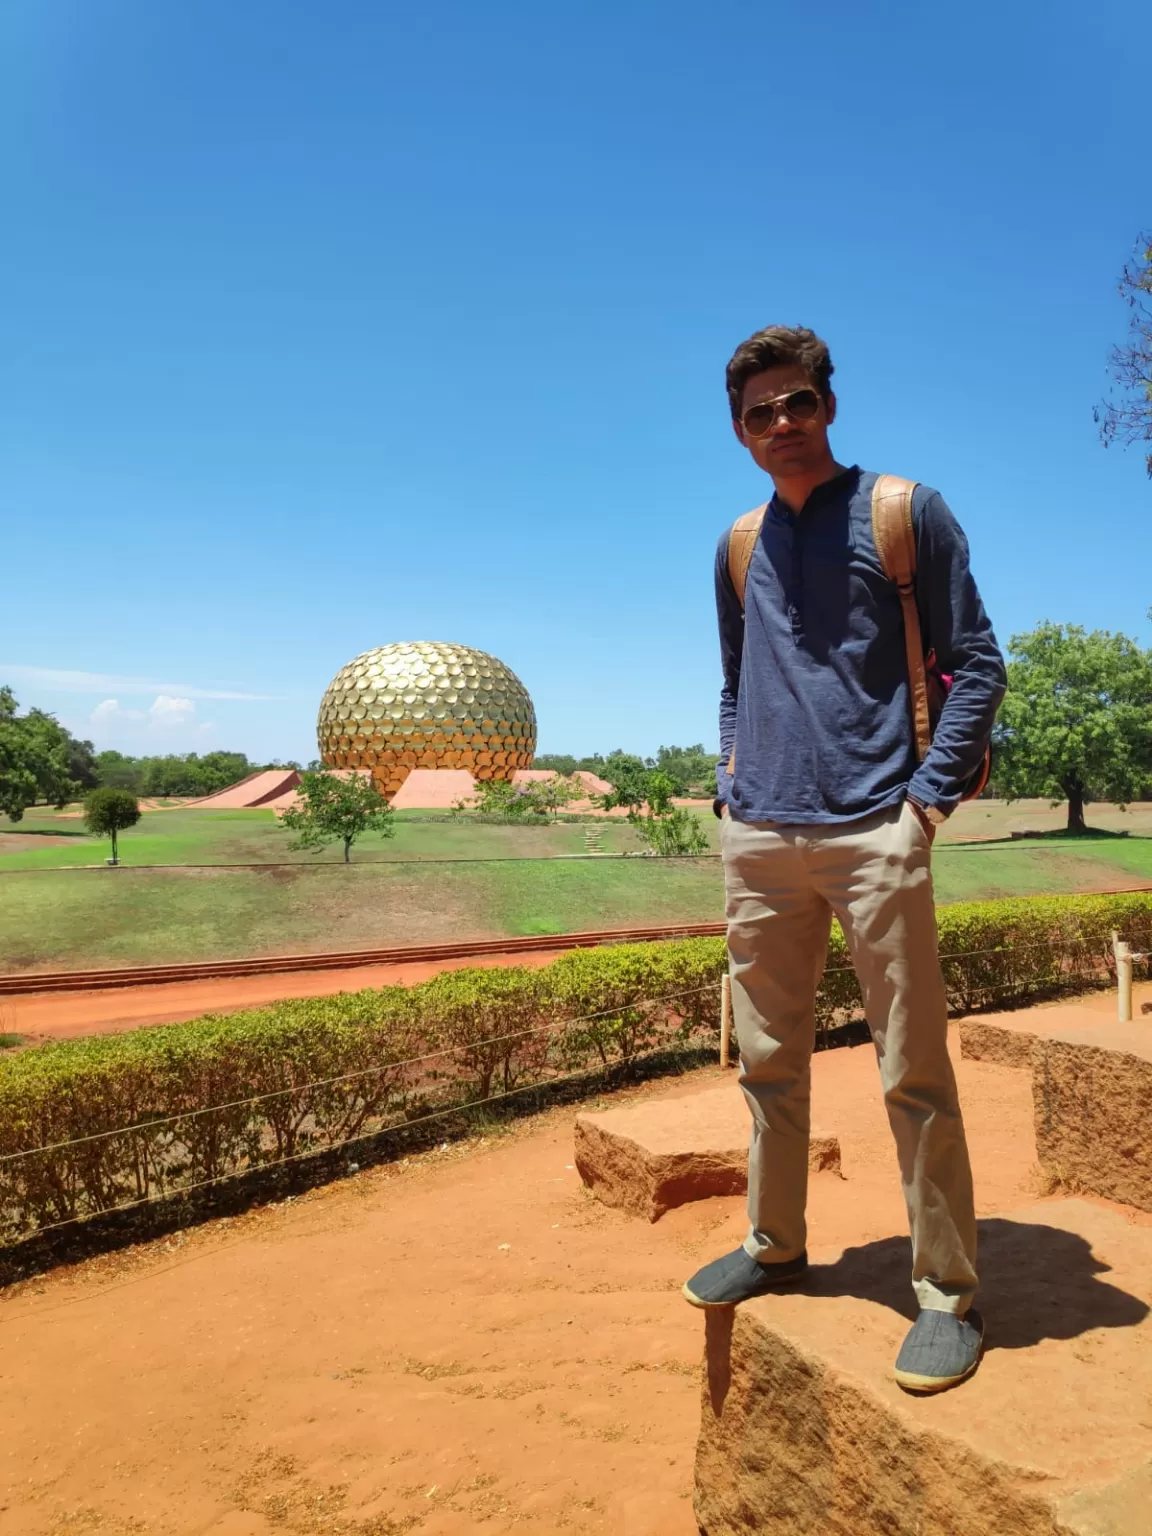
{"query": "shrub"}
(524, 802)
(97, 1123)
(675, 832)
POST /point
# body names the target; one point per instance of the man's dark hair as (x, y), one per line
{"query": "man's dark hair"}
(772, 347)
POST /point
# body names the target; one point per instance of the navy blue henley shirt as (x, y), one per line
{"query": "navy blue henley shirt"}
(816, 695)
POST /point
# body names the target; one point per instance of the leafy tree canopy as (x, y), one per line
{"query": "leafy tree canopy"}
(1076, 724)
(108, 812)
(177, 774)
(693, 768)
(37, 759)
(630, 780)
(662, 827)
(335, 808)
(561, 762)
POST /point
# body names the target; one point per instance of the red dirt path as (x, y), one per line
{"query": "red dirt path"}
(460, 1343)
(40, 1016)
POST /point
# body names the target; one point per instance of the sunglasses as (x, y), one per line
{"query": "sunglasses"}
(800, 405)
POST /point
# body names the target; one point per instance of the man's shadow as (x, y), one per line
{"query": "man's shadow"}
(1036, 1282)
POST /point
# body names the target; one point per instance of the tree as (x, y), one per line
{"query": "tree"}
(108, 812)
(1129, 419)
(17, 779)
(632, 781)
(35, 758)
(177, 773)
(117, 771)
(692, 767)
(334, 808)
(55, 750)
(1076, 724)
(82, 762)
(665, 828)
(557, 762)
(189, 774)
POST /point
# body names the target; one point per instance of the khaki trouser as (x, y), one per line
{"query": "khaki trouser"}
(784, 883)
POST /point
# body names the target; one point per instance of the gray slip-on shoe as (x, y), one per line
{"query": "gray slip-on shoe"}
(738, 1277)
(940, 1351)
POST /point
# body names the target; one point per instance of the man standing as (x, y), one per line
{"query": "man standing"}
(827, 810)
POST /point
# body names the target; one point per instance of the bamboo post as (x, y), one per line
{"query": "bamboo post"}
(1123, 954)
(725, 1020)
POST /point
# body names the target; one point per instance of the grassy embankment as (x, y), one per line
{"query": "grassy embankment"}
(62, 918)
(57, 840)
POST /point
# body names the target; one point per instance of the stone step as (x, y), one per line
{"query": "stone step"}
(1007, 1039)
(1092, 1094)
(647, 1158)
(804, 1433)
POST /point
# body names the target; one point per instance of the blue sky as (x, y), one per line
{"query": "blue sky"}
(331, 326)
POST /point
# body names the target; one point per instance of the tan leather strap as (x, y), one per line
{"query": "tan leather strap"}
(741, 546)
(895, 539)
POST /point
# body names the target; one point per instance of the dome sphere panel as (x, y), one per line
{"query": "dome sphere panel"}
(430, 705)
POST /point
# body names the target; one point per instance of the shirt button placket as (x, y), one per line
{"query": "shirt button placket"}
(796, 590)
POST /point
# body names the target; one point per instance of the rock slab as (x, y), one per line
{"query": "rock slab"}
(1007, 1039)
(1092, 1095)
(649, 1158)
(804, 1433)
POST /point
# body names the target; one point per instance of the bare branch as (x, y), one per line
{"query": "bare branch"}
(1128, 419)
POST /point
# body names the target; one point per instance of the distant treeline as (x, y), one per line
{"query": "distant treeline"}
(693, 768)
(41, 762)
(176, 774)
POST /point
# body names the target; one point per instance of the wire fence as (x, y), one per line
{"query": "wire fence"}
(411, 1124)
(464, 1047)
(59, 1181)
(368, 860)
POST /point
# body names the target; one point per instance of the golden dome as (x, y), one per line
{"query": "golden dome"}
(426, 705)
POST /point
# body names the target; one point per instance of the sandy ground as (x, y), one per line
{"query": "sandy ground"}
(257, 789)
(40, 1016)
(462, 1342)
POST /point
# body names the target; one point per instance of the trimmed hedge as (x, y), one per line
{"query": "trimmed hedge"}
(110, 1120)
(996, 952)
(131, 1117)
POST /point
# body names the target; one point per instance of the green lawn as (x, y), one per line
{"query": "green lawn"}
(63, 919)
(394, 893)
(46, 840)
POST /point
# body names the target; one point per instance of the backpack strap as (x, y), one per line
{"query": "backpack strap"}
(741, 545)
(742, 538)
(895, 539)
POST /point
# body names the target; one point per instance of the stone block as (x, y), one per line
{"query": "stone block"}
(1007, 1039)
(1092, 1095)
(804, 1433)
(648, 1158)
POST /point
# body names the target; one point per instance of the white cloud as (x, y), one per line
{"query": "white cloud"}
(58, 680)
(168, 712)
(110, 711)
